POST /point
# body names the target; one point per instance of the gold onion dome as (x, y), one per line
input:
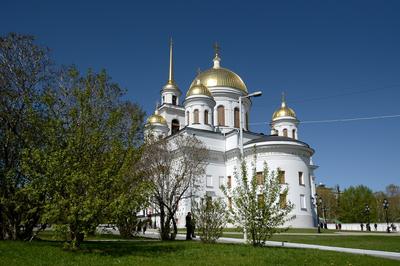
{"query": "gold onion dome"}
(283, 111)
(156, 118)
(198, 89)
(220, 77)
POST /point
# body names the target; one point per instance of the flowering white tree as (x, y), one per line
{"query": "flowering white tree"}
(259, 204)
(173, 165)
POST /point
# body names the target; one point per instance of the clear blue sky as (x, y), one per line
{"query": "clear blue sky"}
(334, 59)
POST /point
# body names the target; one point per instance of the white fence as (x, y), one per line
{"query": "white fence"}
(381, 227)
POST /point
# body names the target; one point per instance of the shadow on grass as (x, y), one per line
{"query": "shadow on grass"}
(121, 248)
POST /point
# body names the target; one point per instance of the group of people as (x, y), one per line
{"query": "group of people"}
(190, 227)
(392, 227)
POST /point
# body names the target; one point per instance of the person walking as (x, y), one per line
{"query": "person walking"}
(362, 226)
(376, 227)
(189, 226)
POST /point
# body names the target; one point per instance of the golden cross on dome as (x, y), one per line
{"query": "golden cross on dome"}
(216, 48)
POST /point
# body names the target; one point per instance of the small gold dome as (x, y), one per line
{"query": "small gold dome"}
(283, 111)
(156, 119)
(220, 77)
(198, 89)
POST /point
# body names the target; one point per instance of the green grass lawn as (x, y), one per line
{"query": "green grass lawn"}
(373, 242)
(386, 243)
(140, 252)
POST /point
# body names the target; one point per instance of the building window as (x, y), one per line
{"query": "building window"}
(260, 178)
(247, 121)
(221, 115)
(187, 118)
(281, 176)
(282, 200)
(236, 117)
(303, 205)
(209, 181)
(260, 200)
(196, 116)
(294, 133)
(229, 181)
(206, 117)
(285, 132)
(174, 126)
(163, 99)
(229, 202)
(174, 99)
(301, 179)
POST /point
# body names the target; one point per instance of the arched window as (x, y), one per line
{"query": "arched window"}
(174, 126)
(174, 99)
(294, 133)
(285, 132)
(187, 118)
(206, 117)
(196, 116)
(221, 115)
(236, 117)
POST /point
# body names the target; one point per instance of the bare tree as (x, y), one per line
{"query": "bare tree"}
(173, 165)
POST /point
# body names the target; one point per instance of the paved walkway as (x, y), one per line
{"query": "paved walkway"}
(384, 254)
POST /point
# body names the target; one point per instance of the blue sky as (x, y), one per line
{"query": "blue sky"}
(334, 60)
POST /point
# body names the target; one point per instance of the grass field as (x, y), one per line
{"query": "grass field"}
(141, 252)
(373, 242)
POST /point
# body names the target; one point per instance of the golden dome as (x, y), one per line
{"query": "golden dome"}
(156, 119)
(283, 111)
(198, 89)
(220, 77)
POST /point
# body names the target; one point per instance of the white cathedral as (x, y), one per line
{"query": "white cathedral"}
(211, 111)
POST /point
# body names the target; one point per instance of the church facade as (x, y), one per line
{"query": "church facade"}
(211, 111)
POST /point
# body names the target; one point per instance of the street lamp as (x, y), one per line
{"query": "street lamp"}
(254, 94)
(367, 211)
(386, 207)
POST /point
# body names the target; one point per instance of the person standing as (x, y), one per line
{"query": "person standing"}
(189, 226)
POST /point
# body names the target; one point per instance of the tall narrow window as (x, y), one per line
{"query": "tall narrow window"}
(230, 203)
(206, 117)
(174, 99)
(260, 200)
(294, 133)
(282, 200)
(281, 176)
(221, 115)
(260, 178)
(174, 126)
(187, 118)
(196, 116)
(229, 181)
(236, 117)
(247, 121)
(303, 205)
(285, 132)
(301, 179)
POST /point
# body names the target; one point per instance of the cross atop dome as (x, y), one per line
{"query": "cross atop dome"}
(216, 59)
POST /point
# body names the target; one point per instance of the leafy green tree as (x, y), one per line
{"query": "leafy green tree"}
(87, 166)
(352, 205)
(259, 204)
(25, 73)
(211, 218)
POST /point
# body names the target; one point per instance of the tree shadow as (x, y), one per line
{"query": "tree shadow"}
(121, 248)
